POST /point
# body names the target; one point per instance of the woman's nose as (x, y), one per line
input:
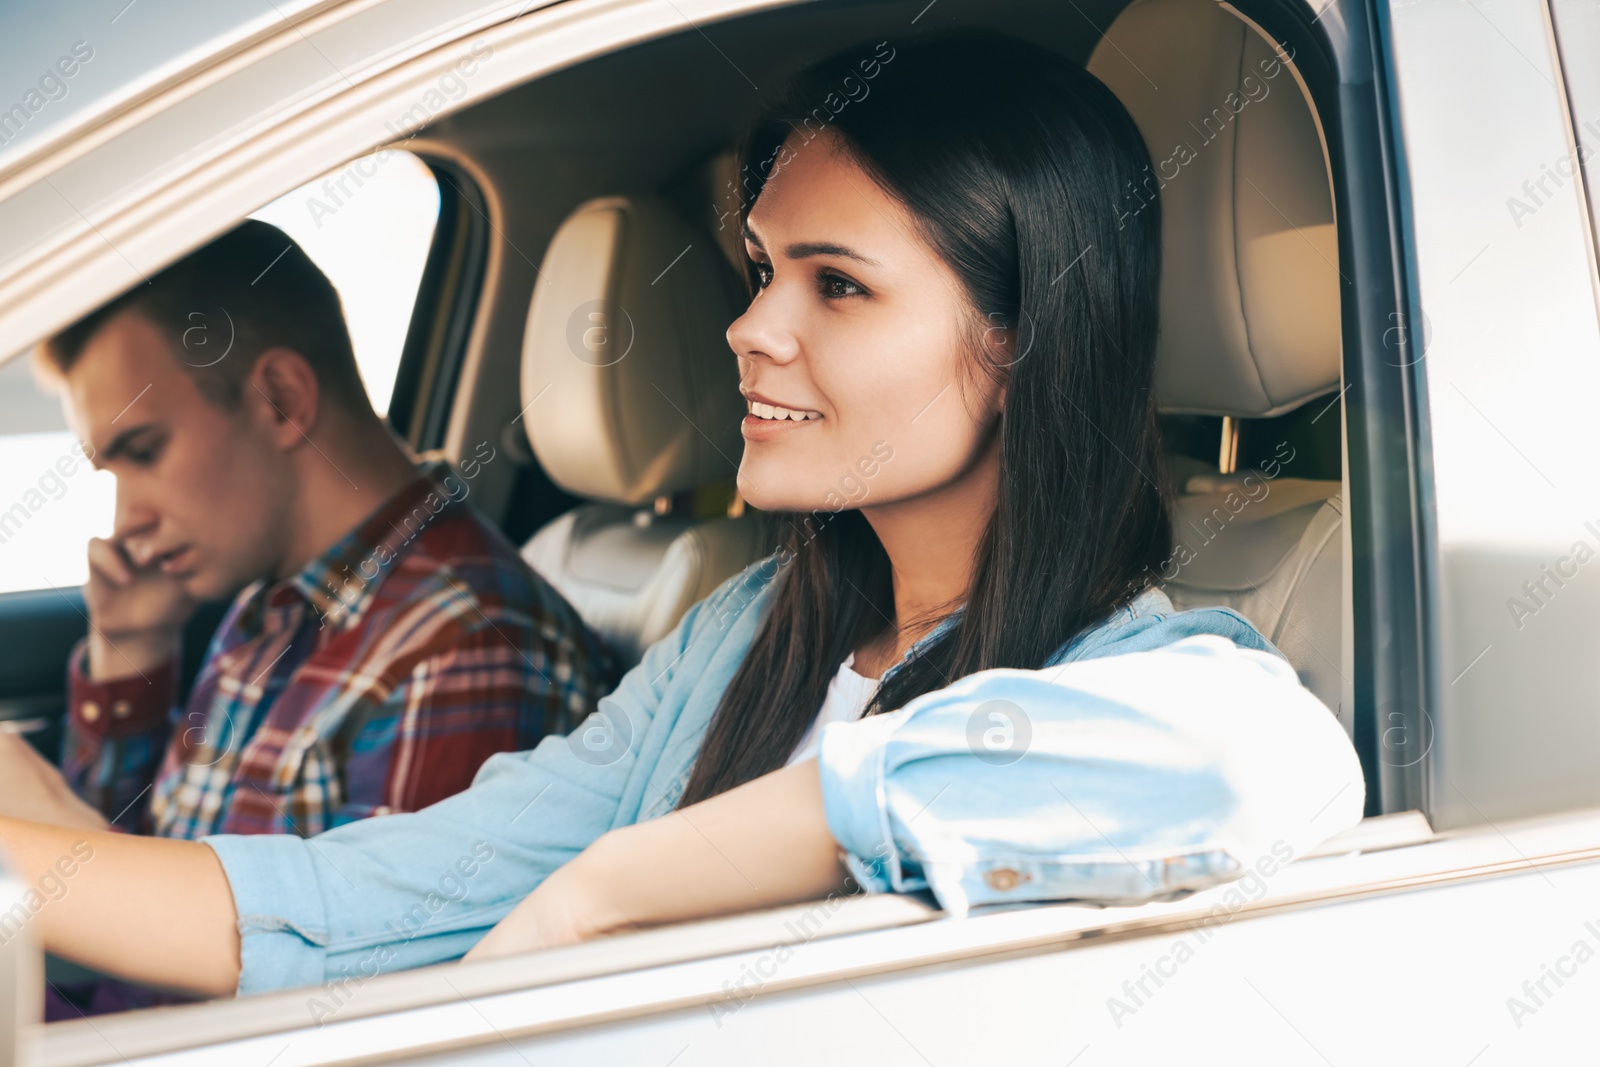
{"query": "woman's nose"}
(760, 333)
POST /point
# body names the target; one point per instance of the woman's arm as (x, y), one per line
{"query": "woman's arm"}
(146, 909)
(761, 845)
(1118, 781)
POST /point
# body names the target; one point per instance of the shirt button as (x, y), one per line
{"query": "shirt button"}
(121, 709)
(90, 711)
(1002, 879)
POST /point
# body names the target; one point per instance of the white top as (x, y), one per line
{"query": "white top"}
(847, 698)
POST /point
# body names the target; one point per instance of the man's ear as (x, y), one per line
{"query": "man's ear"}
(283, 390)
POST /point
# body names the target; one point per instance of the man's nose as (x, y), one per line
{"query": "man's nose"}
(133, 517)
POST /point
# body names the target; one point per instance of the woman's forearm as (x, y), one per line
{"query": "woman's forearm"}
(146, 909)
(761, 845)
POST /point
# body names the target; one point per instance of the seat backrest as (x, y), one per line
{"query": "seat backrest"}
(631, 395)
(1272, 551)
(1249, 312)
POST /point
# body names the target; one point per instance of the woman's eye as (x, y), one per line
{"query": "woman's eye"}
(144, 456)
(836, 286)
(763, 274)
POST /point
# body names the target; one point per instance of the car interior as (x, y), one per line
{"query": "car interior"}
(586, 266)
(642, 445)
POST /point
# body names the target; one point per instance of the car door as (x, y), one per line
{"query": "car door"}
(1431, 932)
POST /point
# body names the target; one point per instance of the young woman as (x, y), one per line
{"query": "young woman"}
(966, 682)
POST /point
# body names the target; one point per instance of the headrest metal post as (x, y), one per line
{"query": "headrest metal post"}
(1228, 457)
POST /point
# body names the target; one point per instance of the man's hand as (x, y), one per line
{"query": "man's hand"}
(136, 613)
(32, 789)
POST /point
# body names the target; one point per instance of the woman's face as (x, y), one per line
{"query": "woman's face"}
(860, 331)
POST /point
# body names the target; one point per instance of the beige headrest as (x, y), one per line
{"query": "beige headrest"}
(630, 388)
(1250, 283)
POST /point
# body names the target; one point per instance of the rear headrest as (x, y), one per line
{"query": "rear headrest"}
(1249, 282)
(630, 389)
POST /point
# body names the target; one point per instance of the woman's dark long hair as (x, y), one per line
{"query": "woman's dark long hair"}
(1017, 164)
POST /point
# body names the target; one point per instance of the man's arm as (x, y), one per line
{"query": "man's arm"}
(121, 683)
(115, 736)
(149, 910)
(121, 679)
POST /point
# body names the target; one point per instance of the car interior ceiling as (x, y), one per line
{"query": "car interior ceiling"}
(653, 126)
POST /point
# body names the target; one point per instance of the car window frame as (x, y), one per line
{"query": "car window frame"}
(1340, 58)
(445, 312)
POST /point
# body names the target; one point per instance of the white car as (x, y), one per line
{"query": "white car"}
(1381, 335)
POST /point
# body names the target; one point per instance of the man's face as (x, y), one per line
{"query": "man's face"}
(203, 494)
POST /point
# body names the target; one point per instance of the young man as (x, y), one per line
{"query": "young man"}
(383, 639)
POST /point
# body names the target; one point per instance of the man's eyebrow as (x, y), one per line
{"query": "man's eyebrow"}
(120, 443)
(806, 249)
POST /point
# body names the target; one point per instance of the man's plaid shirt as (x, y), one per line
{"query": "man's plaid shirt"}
(375, 680)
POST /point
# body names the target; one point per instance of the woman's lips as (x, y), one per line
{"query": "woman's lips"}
(755, 428)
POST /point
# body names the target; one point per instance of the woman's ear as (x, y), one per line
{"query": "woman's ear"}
(1002, 342)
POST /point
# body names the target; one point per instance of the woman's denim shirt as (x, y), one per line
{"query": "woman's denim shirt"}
(1160, 752)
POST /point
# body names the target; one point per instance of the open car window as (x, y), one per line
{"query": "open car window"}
(368, 225)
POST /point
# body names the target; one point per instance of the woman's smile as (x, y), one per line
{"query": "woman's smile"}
(756, 428)
(765, 419)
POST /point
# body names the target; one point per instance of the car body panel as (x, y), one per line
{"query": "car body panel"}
(1425, 938)
(1512, 363)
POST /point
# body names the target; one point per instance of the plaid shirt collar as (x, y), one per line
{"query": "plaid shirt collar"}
(342, 583)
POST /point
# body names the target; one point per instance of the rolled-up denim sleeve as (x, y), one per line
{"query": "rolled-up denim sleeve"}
(1118, 780)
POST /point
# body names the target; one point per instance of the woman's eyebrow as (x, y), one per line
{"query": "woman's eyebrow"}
(805, 249)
